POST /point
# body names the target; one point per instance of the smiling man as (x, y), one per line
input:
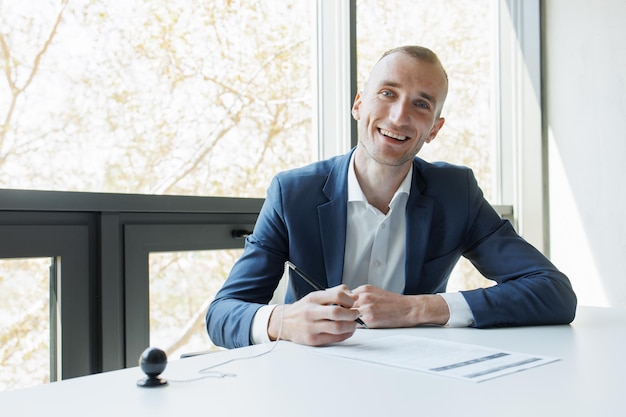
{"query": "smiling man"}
(382, 229)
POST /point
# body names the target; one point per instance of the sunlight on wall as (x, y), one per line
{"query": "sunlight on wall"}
(570, 248)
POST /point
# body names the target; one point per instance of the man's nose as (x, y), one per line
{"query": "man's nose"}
(399, 112)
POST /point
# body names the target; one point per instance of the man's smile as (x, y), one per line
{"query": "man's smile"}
(392, 135)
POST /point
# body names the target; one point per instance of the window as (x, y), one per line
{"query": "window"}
(45, 281)
(174, 265)
(150, 97)
(464, 36)
(154, 96)
(181, 287)
(25, 322)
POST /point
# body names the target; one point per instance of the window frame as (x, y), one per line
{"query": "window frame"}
(335, 75)
(99, 277)
(142, 239)
(73, 301)
(523, 150)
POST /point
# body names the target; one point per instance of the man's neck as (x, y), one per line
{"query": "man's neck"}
(378, 182)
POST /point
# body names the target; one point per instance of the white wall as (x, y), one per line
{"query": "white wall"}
(585, 109)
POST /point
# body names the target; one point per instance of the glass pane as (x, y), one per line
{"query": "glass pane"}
(464, 34)
(24, 322)
(182, 284)
(187, 97)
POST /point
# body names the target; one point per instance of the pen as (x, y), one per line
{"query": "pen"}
(315, 285)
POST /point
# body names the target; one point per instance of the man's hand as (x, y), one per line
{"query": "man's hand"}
(319, 318)
(380, 308)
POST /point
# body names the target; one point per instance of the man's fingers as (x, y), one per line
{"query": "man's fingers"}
(339, 295)
(341, 313)
(319, 318)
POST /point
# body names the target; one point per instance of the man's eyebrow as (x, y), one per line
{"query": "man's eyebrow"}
(395, 84)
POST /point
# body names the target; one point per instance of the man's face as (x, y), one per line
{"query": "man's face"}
(398, 111)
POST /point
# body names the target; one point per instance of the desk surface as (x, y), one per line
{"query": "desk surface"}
(294, 380)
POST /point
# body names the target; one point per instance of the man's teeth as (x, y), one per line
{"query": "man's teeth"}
(393, 135)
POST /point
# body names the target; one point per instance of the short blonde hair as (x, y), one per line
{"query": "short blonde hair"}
(420, 52)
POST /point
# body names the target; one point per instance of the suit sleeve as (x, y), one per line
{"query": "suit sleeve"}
(530, 290)
(253, 278)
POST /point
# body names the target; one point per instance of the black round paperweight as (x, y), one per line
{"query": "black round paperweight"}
(152, 362)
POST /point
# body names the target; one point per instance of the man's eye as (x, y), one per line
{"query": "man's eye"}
(423, 105)
(386, 93)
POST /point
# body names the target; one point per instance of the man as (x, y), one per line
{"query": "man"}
(382, 230)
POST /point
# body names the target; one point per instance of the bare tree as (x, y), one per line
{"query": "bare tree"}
(12, 69)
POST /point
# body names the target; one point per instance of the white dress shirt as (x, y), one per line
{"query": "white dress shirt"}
(375, 253)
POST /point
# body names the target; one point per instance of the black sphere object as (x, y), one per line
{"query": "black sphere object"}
(152, 362)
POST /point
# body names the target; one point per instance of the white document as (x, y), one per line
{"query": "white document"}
(458, 360)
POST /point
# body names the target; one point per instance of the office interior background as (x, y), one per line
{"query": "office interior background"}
(138, 137)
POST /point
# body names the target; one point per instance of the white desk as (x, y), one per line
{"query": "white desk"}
(294, 380)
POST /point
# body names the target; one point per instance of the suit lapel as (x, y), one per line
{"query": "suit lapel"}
(332, 220)
(419, 210)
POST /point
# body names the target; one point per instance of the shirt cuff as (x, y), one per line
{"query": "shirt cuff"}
(460, 313)
(260, 321)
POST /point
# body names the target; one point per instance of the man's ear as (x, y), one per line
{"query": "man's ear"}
(356, 106)
(436, 127)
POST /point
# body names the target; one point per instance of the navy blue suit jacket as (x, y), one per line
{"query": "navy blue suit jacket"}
(303, 220)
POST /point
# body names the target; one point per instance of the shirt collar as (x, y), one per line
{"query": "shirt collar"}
(355, 193)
